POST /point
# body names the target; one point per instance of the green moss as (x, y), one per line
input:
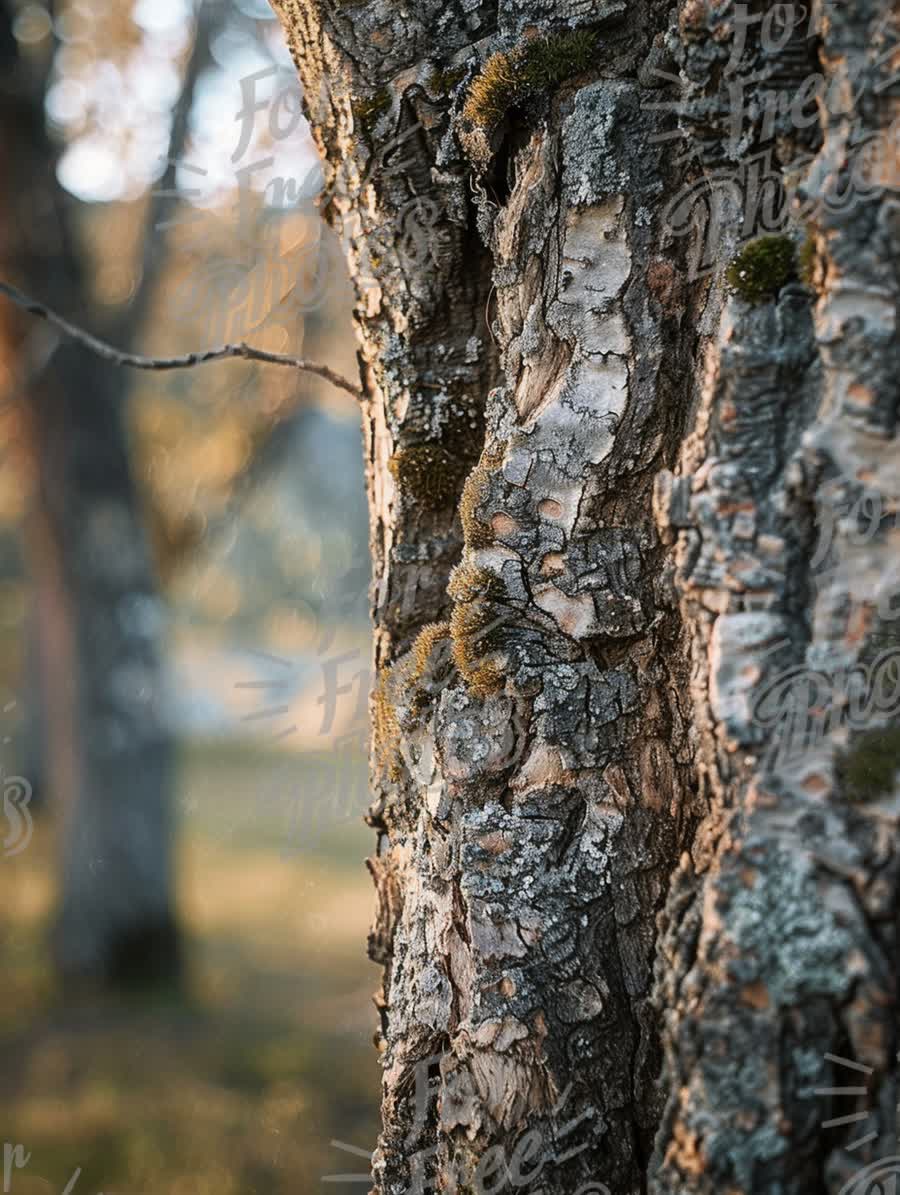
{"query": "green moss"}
(868, 769)
(507, 79)
(428, 474)
(446, 81)
(762, 268)
(365, 112)
(547, 62)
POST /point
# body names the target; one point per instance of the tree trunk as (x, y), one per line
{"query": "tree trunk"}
(100, 620)
(636, 880)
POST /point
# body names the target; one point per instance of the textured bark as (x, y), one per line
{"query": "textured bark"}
(611, 916)
(108, 760)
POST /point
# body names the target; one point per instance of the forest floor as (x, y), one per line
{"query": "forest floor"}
(238, 1084)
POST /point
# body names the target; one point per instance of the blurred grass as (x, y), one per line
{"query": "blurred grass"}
(238, 1085)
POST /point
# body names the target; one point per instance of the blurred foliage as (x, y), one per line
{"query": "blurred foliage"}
(232, 252)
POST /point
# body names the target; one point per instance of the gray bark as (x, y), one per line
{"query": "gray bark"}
(616, 911)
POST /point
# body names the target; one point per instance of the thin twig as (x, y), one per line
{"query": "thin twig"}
(110, 353)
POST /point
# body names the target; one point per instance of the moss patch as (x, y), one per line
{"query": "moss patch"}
(469, 581)
(428, 474)
(474, 634)
(386, 727)
(400, 693)
(868, 768)
(507, 79)
(476, 533)
(418, 693)
(445, 81)
(478, 593)
(366, 112)
(762, 268)
(426, 641)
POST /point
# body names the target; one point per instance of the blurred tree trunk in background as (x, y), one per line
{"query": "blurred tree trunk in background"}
(99, 619)
(616, 908)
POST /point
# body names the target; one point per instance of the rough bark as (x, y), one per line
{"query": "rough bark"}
(620, 930)
(100, 619)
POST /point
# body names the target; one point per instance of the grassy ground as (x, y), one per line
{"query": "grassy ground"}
(239, 1086)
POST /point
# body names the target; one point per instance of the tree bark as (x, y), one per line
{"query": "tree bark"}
(622, 920)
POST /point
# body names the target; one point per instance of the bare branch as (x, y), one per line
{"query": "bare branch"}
(187, 361)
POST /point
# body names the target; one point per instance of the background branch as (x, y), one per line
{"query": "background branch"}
(110, 353)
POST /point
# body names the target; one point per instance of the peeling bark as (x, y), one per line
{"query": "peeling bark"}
(611, 901)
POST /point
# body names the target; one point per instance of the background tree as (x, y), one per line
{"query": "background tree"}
(251, 482)
(121, 264)
(98, 619)
(600, 472)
